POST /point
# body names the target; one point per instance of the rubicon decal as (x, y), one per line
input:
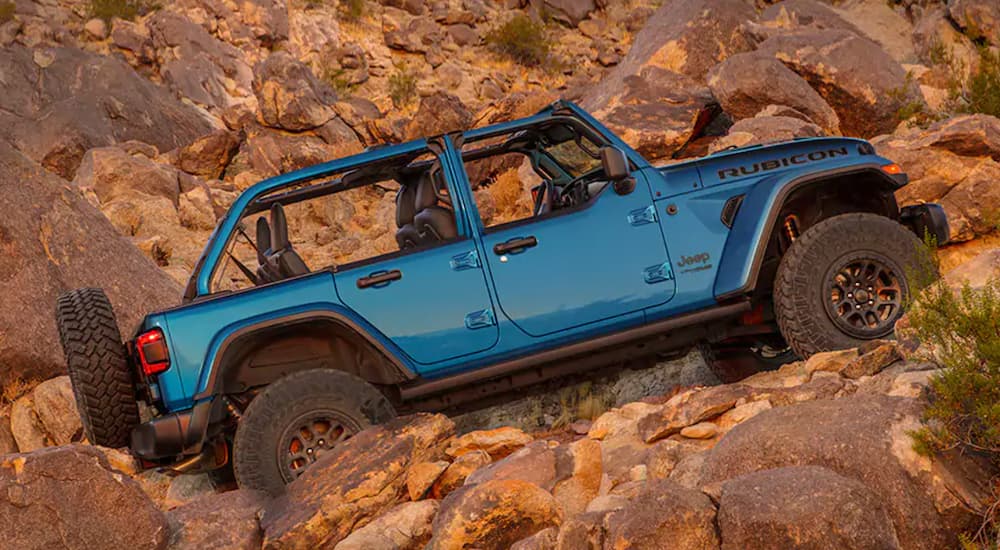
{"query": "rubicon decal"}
(774, 164)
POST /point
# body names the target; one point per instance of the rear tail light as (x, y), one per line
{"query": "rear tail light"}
(153, 354)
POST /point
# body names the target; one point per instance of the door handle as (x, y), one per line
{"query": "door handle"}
(514, 244)
(380, 278)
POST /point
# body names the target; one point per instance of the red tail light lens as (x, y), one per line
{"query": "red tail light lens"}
(153, 352)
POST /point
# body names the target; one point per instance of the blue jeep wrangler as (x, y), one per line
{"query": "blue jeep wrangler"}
(756, 255)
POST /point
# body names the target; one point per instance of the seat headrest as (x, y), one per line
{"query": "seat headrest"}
(279, 228)
(263, 238)
(425, 195)
(405, 204)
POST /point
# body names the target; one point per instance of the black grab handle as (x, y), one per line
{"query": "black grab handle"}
(515, 244)
(379, 278)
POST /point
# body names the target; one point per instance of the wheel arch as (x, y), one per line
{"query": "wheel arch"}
(266, 350)
(751, 253)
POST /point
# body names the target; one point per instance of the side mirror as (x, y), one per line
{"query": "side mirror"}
(615, 165)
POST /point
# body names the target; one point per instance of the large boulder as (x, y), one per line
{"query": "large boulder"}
(342, 489)
(289, 94)
(979, 19)
(53, 240)
(865, 438)
(664, 511)
(747, 83)
(225, 520)
(69, 497)
(405, 527)
(493, 515)
(439, 113)
(863, 85)
(804, 507)
(765, 129)
(56, 103)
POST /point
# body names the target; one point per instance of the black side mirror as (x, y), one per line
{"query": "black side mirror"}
(615, 165)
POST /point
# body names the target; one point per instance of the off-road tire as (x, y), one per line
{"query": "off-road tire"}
(258, 443)
(732, 361)
(98, 367)
(801, 284)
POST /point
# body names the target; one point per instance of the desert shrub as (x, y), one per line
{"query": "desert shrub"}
(402, 87)
(352, 9)
(982, 93)
(122, 9)
(6, 11)
(338, 79)
(961, 331)
(509, 198)
(522, 39)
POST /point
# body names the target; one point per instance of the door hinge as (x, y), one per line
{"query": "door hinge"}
(468, 260)
(642, 216)
(480, 319)
(658, 273)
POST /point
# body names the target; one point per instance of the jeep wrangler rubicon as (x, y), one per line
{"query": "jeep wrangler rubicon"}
(523, 251)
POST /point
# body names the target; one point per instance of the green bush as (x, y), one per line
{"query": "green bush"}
(6, 11)
(352, 9)
(122, 9)
(402, 87)
(961, 331)
(338, 80)
(522, 39)
(983, 88)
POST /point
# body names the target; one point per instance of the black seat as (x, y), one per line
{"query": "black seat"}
(282, 258)
(266, 272)
(423, 213)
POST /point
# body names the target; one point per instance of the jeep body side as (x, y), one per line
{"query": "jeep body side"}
(688, 255)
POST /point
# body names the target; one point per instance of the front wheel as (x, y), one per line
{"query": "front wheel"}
(296, 420)
(845, 281)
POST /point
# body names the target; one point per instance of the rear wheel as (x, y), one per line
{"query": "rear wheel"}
(296, 420)
(98, 368)
(845, 281)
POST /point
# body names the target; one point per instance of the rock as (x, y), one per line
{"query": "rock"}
(584, 531)
(196, 209)
(873, 362)
(439, 113)
(225, 520)
(81, 100)
(290, 96)
(579, 471)
(111, 173)
(746, 83)
(55, 407)
(46, 491)
(415, 35)
(860, 437)
(976, 272)
(186, 488)
(542, 540)
(791, 15)
(341, 490)
(458, 471)
(25, 426)
(197, 65)
(405, 527)
(8, 444)
(664, 511)
(689, 37)
(742, 413)
(979, 20)
(912, 384)
(493, 515)
(975, 135)
(497, 443)
(208, 156)
(765, 129)
(858, 80)
(943, 47)
(535, 463)
(420, 477)
(701, 430)
(830, 361)
(700, 405)
(655, 111)
(805, 507)
(820, 387)
(567, 12)
(881, 23)
(96, 28)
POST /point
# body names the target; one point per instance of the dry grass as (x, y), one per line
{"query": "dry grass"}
(14, 389)
(509, 197)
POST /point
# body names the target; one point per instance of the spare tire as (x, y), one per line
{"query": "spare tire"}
(98, 366)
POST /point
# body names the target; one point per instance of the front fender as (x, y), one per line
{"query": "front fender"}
(743, 253)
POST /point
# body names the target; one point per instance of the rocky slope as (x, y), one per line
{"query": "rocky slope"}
(815, 454)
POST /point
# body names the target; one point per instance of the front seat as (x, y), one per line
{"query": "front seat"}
(266, 271)
(283, 258)
(407, 235)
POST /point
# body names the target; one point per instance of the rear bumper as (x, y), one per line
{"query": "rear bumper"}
(926, 220)
(178, 434)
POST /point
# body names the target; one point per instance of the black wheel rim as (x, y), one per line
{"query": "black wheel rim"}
(864, 296)
(309, 437)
